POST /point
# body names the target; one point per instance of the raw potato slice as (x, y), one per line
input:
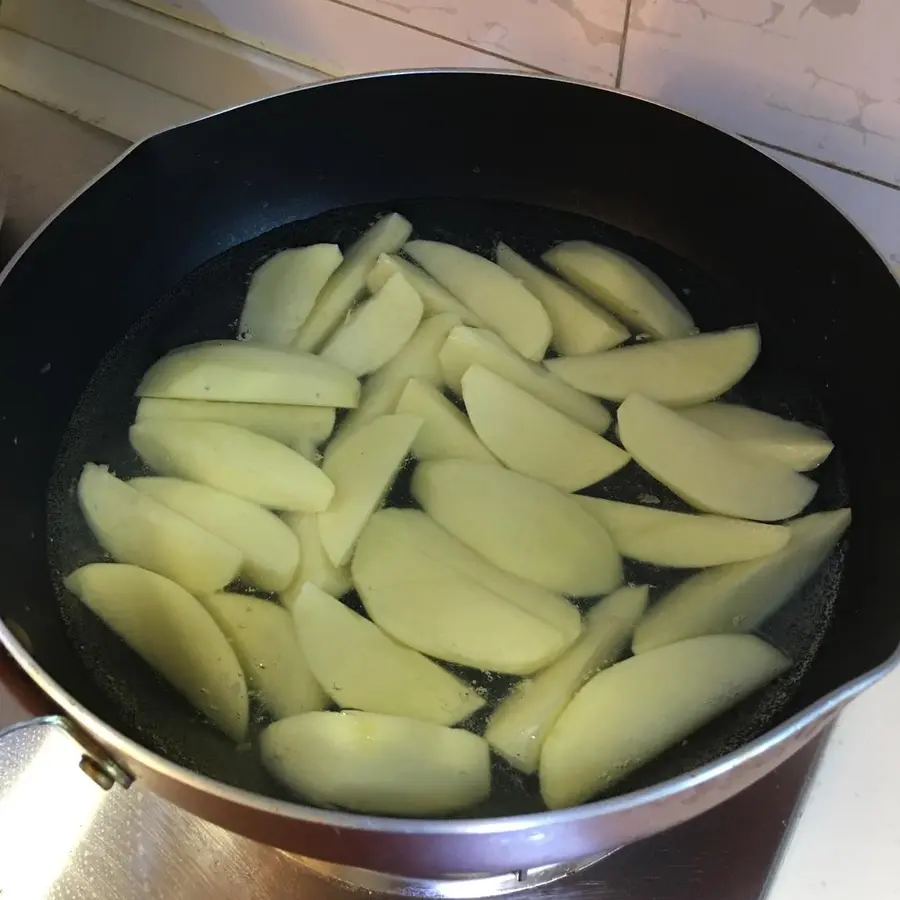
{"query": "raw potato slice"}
(173, 633)
(624, 286)
(412, 590)
(467, 346)
(706, 470)
(523, 526)
(315, 566)
(363, 469)
(418, 359)
(422, 533)
(682, 540)
(136, 529)
(269, 548)
(234, 460)
(675, 373)
(796, 445)
(371, 763)
(348, 283)
(265, 641)
(377, 329)
(445, 432)
(240, 371)
(628, 714)
(500, 300)
(741, 596)
(300, 427)
(534, 438)
(283, 290)
(579, 324)
(361, 667)
(520, 723)
(436, 299)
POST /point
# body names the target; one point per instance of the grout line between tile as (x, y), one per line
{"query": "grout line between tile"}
(821, 162)
(621, 66)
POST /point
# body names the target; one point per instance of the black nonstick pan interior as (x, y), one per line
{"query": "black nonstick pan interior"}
(739, 238)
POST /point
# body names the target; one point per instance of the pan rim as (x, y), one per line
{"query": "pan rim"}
(296, 810)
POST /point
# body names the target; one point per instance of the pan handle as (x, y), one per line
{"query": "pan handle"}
(23, 703)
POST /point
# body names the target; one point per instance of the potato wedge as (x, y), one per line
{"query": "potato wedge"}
(533, 438)
(359, 666)
(372, 763)
(706, 470)
(418, 359)
(265, 642)
(682, 540)
(674, 373)
(500, 300)
(302, 428)
(435, 298)
(624, 286)
(521, 525)
(520, 723)
(173, 633)
(348, 283)
(445, 433)
(415, 588)
(283, 290)
(240, 371)
(234, 460)
(269, 548)
(377, 329)
(739, 597)
(137, 529)
(465, 347)
(799, 446)
(315, 566)
(363, 469)
(629, 713)
(579, 324)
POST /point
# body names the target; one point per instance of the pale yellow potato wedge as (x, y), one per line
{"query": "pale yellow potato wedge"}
(741, 596)
(244, 372)
(315, 566)
(170, 630)
(436, 298)
(269, 549)
(465, 347)
(302, 428)
(579, 324)
(418, 359)
(629, 713)
(377, 329)
(533, 438)
(137, 529)
(706, 470)
(521, 525)
(363, 469)
(265, 642)
(683, 540)
(675, 373)
(445, 433)
(371, 763)
(235, 460)
(520, 723)
(283, 290)
(348, 283)
(503, 302)
(360, 667)
(799, 446)
(414, 589)
(624, 286)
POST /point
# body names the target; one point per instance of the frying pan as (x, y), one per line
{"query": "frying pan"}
(156, 253)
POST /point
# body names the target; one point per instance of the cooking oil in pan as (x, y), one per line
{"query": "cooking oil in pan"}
(206, 305)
